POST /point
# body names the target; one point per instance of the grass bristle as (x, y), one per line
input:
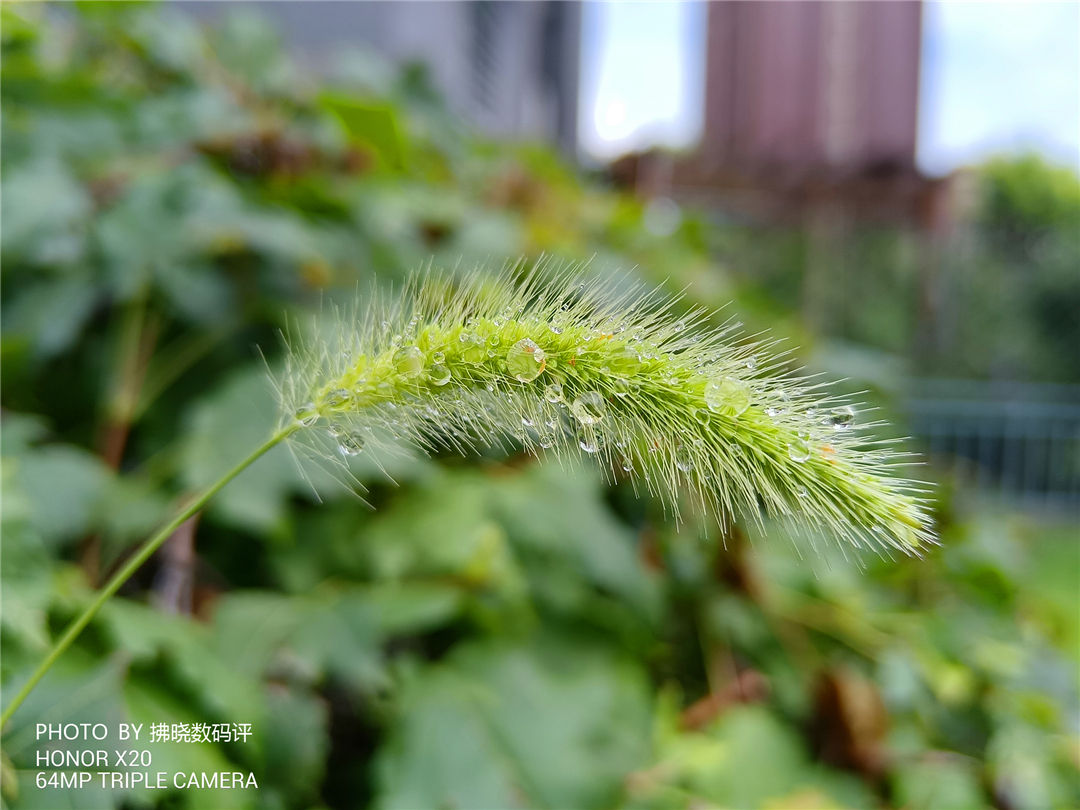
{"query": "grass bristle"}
(667, 401)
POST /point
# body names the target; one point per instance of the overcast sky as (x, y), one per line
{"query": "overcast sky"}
(996, 76)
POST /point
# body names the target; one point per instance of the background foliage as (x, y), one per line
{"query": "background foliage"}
(493, 633)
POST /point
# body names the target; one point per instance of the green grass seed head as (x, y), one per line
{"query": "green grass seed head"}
(566, 369)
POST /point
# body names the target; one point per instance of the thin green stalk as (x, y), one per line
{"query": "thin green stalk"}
(133, 565)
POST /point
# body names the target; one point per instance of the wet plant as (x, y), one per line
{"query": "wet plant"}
(567, 370)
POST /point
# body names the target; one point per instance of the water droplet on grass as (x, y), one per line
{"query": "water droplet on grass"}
(350, 444)
(338, 399)
(553, 393)
(589, 408)
(727, 395)
(799, 450)
(682, 459)
(439, 374)
(474, 351)
(525, 360)
(409, 361)
(841, 418)
(307, 414)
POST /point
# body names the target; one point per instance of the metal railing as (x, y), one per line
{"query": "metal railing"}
(1021, 442)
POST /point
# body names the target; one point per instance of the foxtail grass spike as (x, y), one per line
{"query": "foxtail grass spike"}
(566, 369)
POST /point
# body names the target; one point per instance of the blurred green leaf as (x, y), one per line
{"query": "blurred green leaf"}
(372, 123)
(502, 725)
(63, 486)
(225, 427)
(939, 781)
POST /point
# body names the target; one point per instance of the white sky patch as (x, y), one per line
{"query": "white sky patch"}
(642, 75)
(999, 77)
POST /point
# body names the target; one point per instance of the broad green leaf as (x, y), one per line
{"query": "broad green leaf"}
(548, 724)
(938, 781)
(224, 428)
(372, 123)
(63, 486)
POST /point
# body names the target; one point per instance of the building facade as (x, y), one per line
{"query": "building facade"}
(509, 69)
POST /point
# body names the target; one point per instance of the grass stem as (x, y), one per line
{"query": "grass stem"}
(133, 565)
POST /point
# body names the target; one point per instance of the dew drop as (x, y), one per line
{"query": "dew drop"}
(555, 328)
(350, 444)
(409, 361)
(637, 335)
(841, 418)
(683, 459)
(439, 374)
(438, 357)
(751, 363)
(553, 393)
(727, 395)
(620, 386)
(800, 491)
(588, 444)
(799, 450)
(491, 352)
(338, 398)
(494, 340)
(589, 408)
(680, 326)
(527, 422)
(336, 429)
(525, 360)
(702, 416)
(474, 351)
(547, 441)
(773, 411)
(627, 464)
(307, 414)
